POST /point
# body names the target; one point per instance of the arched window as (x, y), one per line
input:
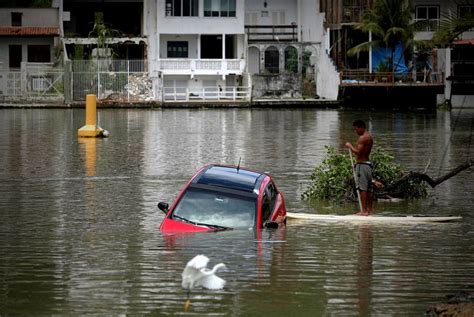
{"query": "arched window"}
(272, 60)
(254, 60)
(291, 60)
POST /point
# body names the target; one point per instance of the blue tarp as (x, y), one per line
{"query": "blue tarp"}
(382, 55)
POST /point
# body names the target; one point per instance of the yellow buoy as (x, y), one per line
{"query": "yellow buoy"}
(91, 129)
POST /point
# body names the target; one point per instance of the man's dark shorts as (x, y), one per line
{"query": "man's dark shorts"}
(364, 176)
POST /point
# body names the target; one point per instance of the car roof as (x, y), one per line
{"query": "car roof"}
(230, 177)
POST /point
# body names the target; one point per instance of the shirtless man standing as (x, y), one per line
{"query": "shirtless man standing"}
(363, 166)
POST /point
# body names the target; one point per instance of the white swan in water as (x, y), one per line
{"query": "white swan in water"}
(196, 274)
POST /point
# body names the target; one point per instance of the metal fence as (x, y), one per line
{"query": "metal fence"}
(109, 80)
(32, 80)
(355, 77)
(118, 80)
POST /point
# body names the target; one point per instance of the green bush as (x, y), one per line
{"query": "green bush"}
(333, 179)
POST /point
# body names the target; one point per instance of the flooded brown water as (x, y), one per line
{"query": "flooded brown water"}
(79, 223)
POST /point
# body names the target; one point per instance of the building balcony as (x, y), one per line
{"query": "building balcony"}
(271, 33)
(192, 67)
(428, 25)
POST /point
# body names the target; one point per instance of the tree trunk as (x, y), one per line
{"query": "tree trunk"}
(424, 177)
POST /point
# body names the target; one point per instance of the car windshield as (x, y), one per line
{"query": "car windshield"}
(220, 207)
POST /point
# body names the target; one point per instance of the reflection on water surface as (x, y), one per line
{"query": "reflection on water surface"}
(79, 223)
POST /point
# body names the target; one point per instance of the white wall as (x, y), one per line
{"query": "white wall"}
(284, 11)
(327, 78)
(31, 17)
(191, 39)
(200, 24)
(24, 41)
(311, 21)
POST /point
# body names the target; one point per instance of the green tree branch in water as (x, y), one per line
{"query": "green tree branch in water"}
(333, 179)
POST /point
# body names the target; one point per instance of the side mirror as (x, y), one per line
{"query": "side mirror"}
(163, 207)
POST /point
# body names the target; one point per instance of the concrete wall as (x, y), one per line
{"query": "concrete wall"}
(31, 17)
(282, 86)
(326, 76)
(191, 39)
(276, 12)
(311, 29)
(24, 41)
(463, 101)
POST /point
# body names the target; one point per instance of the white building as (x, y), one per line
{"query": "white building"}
(29, 41)
(208, 48)
(456, 60)
(28, 35)
(192, 49)
(197, 47)
(287, 38)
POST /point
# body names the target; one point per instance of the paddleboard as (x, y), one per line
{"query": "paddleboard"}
(375, 218)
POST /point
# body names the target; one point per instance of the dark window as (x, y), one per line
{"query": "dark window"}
(178, 49)
(466, 11)
(39, 54)
(268, 202)
(16, 18)
(427, 12)
(211, 46)
(186, 8)
(14, 56)
(430, 14)
(219, 8)
(272, 60)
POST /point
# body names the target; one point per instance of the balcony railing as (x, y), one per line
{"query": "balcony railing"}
(184, 66)
(271, 33)
(206, 94)
(427, 25)
(364, 78)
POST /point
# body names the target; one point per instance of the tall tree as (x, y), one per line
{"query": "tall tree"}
(391, 23)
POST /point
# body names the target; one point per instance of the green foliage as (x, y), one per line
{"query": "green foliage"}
(452, 26)
(333, 178)
(78, 52)
(291, 60)
(384, 67)
(102, 31)
(306, 62)
(390, 22)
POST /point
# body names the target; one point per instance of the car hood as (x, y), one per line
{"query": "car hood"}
(170, 225)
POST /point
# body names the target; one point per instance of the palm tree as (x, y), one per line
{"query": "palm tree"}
(452, 25)
(391, 23)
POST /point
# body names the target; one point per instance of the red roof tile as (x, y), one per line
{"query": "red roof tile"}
(29, 31)
(464, 42)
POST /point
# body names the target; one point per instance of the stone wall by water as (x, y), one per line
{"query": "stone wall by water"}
(276, 86)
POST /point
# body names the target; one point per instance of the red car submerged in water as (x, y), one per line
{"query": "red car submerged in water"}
(224, 197)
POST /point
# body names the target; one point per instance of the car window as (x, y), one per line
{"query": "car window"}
(268, 201)
(272, 193)
(213, 206)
